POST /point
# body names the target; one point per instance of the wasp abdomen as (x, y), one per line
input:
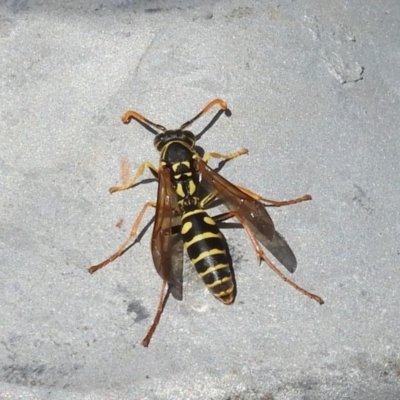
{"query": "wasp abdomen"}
(207, 250)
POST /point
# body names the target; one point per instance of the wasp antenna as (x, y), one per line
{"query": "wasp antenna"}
(222, 104)
(129, 115)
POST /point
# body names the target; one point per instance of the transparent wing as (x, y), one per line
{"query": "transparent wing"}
(280, 249)
(166, 244)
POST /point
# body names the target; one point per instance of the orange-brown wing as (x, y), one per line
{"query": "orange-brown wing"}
(235, 200)
(252, 210)
(166, 243)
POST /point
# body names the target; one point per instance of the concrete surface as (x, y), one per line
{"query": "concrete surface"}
(313, 87)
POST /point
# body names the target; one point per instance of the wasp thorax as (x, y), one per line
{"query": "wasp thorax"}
(174, 135)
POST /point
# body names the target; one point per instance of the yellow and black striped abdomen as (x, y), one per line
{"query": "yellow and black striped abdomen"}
(207, 250)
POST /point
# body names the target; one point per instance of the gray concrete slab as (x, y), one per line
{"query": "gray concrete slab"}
(314, 92)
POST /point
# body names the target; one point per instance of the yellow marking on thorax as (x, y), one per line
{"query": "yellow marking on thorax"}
(179, 190)
(192, 187)
(178, 164)
(202, 236)
(207, 253)
(179, 176)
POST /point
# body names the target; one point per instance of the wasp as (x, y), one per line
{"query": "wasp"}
(187, 188)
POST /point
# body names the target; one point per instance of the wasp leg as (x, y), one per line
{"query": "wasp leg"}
(211, 196)
(124, 245)
(133, 180)
(161, 304)
(210, 105)
(129, 115)
(261, 255)
(275, 203)
(226, 157)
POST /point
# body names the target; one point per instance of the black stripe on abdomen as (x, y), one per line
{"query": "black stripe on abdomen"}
(207, 249)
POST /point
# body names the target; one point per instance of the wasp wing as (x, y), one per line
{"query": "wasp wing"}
(166, 243)
(235, 200)
(280, 249)
(252, 210)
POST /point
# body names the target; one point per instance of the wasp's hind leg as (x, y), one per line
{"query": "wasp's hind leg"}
(124, 245)
(274, 203)
(161, 304)
(261, 255)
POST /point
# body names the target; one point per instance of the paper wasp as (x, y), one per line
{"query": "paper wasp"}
(187, 187)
